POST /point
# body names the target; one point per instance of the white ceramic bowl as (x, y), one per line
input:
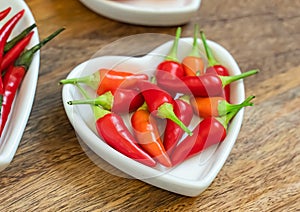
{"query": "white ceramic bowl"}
(146, 12)
(18, 118)
(192, 176)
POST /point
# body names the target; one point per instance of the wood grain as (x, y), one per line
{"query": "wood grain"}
(52, 172)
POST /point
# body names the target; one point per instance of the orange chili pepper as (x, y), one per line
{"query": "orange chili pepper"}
(147, 134)
(193, 64)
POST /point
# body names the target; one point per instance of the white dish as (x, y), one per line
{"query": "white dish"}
(189, 178)
(146, 12)
(18, 117)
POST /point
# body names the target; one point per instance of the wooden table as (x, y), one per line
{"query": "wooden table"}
(51, 172)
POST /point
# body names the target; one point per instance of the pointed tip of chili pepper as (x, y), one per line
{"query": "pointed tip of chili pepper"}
(4, 13)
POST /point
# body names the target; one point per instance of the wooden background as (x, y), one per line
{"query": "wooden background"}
(51, 172)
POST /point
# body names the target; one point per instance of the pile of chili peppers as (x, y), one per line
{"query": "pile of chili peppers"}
(181, 90)
(15, 59)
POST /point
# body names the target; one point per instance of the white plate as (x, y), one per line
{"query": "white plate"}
(189, 178)
(146, 12)
(18, 117)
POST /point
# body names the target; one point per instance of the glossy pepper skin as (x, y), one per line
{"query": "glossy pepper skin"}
(160, 103)
(15, 75)
(193, 64)
(114, 132)
(216, 106)
(12, 55)
(4, 13)
(122, 101)
(171, 64)
(105, 80)
(112, 129)
(145, 130)
(215, 67)
(206, 85)
(6, 30)
(210, 131)
(173, 133)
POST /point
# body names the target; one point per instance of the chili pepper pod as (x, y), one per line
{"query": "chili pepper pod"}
(171, 64)
(4, 13)
(160, 103)
(11, 43)
(14, 76)
(193, 64)
(214, 66)
(210, 131)
(145, 130)
(122, 101)
(108, 80)
(216, 106)
(206, 85)
(6, 30)
(112, 129)
(173, 132)
(10, 56)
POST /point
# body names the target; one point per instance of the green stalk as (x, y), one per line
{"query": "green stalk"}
(166, 110)
(172, 55)
(224, 107)
(210, 57)
(224, 120)
(195, 48)
(97, 111)
(17, 38)
(27, 56)
(105, 100)
(92, 80)
(229, 79)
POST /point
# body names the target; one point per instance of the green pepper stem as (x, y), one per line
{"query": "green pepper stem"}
(105, 100)
(92, 80)
(17, 38)
(229, 79)
(98, 111)
(224, 120)
(210, 57)
(166, 110)
(224, 107)
(195, 48)
(27, 56)
(172, 55)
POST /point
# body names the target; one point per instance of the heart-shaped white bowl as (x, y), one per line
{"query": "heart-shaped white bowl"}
(192, 176)
(146, 12)
(18, 117)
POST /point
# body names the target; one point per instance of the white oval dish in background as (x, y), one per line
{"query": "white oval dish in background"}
(191, 177)
(146, 12)
(22, 106)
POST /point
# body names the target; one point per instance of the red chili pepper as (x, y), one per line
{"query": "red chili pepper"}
(4, 13)
(11, 43)
(160, 103)
(215, 106)
(215, 67)
(112, 129)
(145, 130)
(6, 30)
(15, 52)
(14, 76)
(173, 132)
(171, 64)
(108, 80)
(206, 85)
(122, 101)
(210, 131)
(193, 64)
